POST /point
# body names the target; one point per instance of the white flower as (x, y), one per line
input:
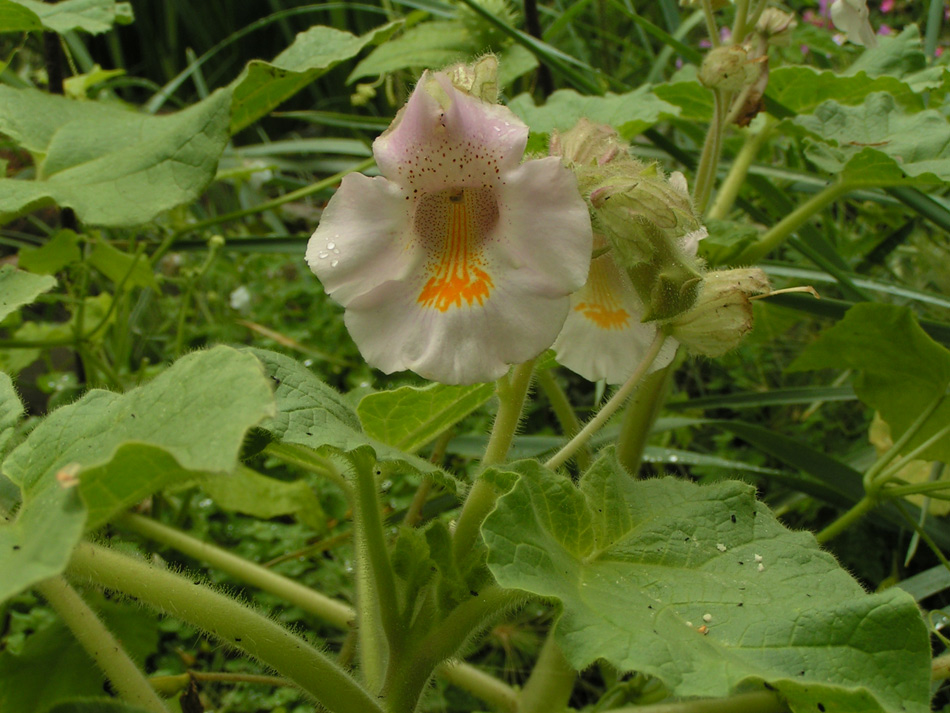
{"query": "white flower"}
(603, 337)
(459, 260)
(851, 17)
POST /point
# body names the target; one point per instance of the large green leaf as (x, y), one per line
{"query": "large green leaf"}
(629, 113)
(701, 587)
(410, 417)
(901, 369)
(92, 16)
(18, 288)
(11, 410)
(189, 421)
(428, 45)
(114, 167)
(801, 89)
(251, 493)
(310, 413)
(875, 143)
(60, 250)
(14, 17)
(262, 86)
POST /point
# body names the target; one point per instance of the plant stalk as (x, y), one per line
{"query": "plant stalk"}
(228, 620)
(564, 412)
(639, 416)
(549, 687)
(101, 645)
(859, 510)
(609, 408)
(730, 187)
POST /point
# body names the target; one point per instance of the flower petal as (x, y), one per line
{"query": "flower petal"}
(465, 345)
(603, 337)
(546, 224)
(445, 137)
(363, 239)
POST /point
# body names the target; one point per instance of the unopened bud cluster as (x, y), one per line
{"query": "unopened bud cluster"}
(648, 221)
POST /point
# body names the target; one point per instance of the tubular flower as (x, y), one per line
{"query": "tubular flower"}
(459, 260)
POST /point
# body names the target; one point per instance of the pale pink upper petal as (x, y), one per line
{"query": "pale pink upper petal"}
(444, 137)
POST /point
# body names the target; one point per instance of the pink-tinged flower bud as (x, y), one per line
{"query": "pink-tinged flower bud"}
(722, 315)
(728, 68)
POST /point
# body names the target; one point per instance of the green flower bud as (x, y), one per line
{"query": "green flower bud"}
(728, 68)
(722, 315)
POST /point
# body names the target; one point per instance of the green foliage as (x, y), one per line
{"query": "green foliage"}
(92, 16)
(18, 288)
(410, 417)
(112, 166)
(901, 370)
(704, 589)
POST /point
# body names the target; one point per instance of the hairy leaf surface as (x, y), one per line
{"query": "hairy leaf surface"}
(18, 288)
(704, 589)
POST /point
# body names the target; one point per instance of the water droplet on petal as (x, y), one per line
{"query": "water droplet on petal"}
(323, 254)
(334, 263)
(331, 245)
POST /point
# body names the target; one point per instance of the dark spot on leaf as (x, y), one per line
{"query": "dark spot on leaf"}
(821, 707)
(197, 581)
(739, 604)
(733, 519)
(237, 638)
(741, 562)
(276, 380)
(473, 592)
(16, 547)
(801, 673)
(770, 687)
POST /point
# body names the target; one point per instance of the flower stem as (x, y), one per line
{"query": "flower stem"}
(480, 684)
(609, 408)
(711, 29)
(712, 149)
(228, 620)
(739, 28)
(512, 391)
(872, 477)
(551, 682)
(779, 232)
(729, 190)
(381, 635)
(638, 418)
(564, 412)
(100, 644)
(860, 509)
(328, 609)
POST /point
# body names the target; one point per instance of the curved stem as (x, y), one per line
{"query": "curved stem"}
(512, 390)
(100, 644)
(228, 620)
(564, 412)
(863, 506)
(609, 408)
(729, 190)
(548, 688)
(712, 149)
(328, 609)
(639, 416)
(480, 684)
(779, 232)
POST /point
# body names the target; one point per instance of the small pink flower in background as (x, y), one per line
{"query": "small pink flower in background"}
(459, 260)
(884, 30)
(887, 5)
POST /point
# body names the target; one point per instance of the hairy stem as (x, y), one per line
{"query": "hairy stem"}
(564, 412)
(512, 391)
(639, 416)
(729, 190)
(860, 509)
(548, 688)
(609, 408)
(712, 149)
(100, 644)
(228, 620)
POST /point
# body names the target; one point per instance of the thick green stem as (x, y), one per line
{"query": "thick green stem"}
(548, 688)
(729, 190)
(407, 677)
(101, 645)
(328, 609)
(761, 702)
(872, 477)
(739, 28)
(782, 230)
(863, 506)
(609, 408)
(381, 634)
(480, 684)
(639, 416)
(512, 391)
(564, 412)
(228, 620)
